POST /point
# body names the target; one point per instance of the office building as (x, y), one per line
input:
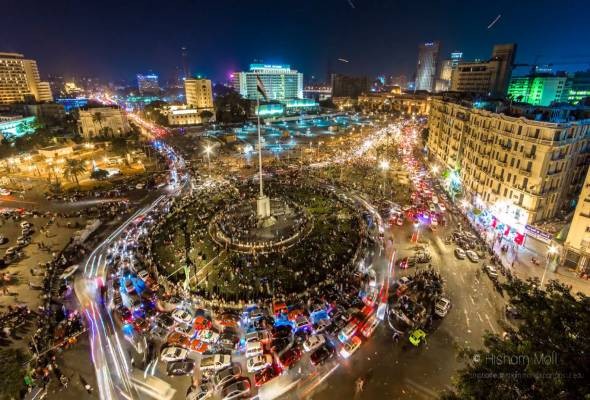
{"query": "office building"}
(427, 66)
(280, 81)
(102, 121)
(578, 86)
(349, 86)
(15, 126)
(516, 165)
(576, 249)
(20, 80)
(456, 57)
(148, 84)
(538, 89)
(487, 78)
(443, 83)
(199, 93)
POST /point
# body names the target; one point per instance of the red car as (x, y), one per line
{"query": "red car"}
(290, 357)
(265, 375)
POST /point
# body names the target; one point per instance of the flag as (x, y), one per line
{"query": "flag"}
(260, 87)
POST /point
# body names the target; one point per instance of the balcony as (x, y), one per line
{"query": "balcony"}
(524, 172)
(530, 156)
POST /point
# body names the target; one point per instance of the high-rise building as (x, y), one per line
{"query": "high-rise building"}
(20, 80)
(577, 243)
(489, 78)
(427, 66)
(538, 89)
(148, 84)
(349, 86)
(443, 83)
(456, 57)
(578, 86)
(280, 81)
(518, 164)
(199, 93)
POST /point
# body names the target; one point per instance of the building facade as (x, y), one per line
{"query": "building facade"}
(20, 80)
(426, 69)
(518, 165)
(280, 81)
(405, 103)
(576, 249)
(99, 121)
(488, 78)
(148, 84)
(538, 89)
(578, 86)
(199, 93)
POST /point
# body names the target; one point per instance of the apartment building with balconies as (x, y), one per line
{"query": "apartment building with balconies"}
(524, 164)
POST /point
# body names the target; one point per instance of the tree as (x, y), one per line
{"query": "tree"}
(74, 168)
(12, 373)
(231, 107)
(99, 174)
(547, 356)
(205, 115)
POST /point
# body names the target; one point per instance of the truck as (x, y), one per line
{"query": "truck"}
(215, 362)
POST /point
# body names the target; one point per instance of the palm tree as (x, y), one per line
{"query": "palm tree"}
(97, 117)
(74, 168)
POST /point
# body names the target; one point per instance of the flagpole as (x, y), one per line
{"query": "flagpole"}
(259, 145)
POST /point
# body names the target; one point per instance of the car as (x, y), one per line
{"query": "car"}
(321, 325)
(143, 275)
(258, 336)
(165, 321)
(290, 357)
(141, 325)
(202, 392)
(229, 339)
(25, 224)
(208, 336)
(460, 253)
(281, 331)
(227, 375)
(348, 331)
(313, 342)
(472, 255)
(321, 354)
(178, 339)
(302, 322)
(442, 307)
(5, 192)
(236, 390)
(3, 239)
(228, 320)
(22, 241)
(139, 186)
(279, 344)
(491, 271)
(197, 346)
(259, 362)
(173, 353)
(187, 330)
(129, 287)
(180, 368)
(182, 316)
(370, 325)
(350, 347)
(200, 323)
(263, 376)
(125, 314)
(417, 336)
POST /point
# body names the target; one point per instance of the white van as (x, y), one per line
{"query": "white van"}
(370, 325)
(253, 349)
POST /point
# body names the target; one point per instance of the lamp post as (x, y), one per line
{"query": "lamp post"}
(551, 253)
(208, 151)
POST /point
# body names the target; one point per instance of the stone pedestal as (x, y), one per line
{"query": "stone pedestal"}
(263, 207)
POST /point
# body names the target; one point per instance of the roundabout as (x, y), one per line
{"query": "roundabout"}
(215, 242)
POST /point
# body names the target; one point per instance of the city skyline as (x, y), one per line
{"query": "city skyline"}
(98, 42)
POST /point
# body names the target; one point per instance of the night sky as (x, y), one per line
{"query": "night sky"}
(116, 39)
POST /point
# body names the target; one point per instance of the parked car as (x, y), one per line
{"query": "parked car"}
(215, 362)
(180, 368)
(350, 346)
(491, 271)
(208, 336)
(259, 362)
(182, 316)
(263, 376)
(236, 390)
(472, 255)
(173, 353)
(226, 375)
(290, 357)
(313, 342)
(460, 253)
(322, 354)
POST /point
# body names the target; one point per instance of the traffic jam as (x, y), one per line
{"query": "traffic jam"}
(230, 353)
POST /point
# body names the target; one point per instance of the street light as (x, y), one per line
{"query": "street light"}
(384, 165)
(208, 151)
(435, 169)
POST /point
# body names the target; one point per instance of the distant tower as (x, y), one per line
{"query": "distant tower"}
(185, 69)
(427, 66)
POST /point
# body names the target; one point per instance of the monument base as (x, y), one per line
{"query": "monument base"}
(262, 207)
